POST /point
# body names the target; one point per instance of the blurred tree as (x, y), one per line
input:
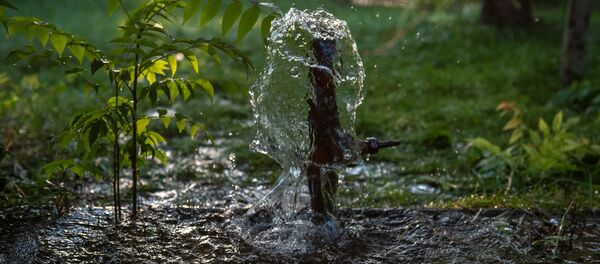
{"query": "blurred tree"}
(506, 12)
(574, 40)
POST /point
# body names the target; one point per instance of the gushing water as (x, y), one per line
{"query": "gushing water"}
(279, 97)
(294, 118)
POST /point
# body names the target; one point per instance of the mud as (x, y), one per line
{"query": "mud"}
(163, 234)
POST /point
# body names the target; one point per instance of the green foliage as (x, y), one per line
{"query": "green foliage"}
(137, 68)
(231, 15)
(581, 96)
(537, 154)
(209, 11)
(247, 21)
(442, 74)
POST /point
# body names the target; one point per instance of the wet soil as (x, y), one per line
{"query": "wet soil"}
(164, 234)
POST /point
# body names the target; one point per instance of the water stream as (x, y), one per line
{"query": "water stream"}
(304, 106)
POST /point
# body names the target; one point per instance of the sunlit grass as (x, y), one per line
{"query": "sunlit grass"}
(440, 77)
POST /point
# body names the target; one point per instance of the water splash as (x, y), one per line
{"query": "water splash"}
(302, 47)
(279, 96)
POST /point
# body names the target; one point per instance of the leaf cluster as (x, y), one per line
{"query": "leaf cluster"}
(537, 154)
(142, 68)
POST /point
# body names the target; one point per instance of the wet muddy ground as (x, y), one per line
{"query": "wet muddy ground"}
(201, 219)
(164, 234)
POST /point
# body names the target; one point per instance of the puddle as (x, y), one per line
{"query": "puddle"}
(175, 235)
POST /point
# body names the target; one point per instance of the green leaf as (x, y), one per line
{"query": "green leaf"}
(535, 137)
(173, 64)
(73, 70)
(3, 19)
(181, 125)
(6, 4)
(141, 125)
(96, 65)
(59, 42)
(184, 91)
(484, 145)
(512, 124)
(112, 6)
(515, 136)
(247, 21)
(190, 9)
(213, 54)
(30, 31)
(209, 11)
(543, 126)
(207, 86)
(77, 170)
(194, 61)
(112, 102)
(97, 129)
(153, 93)
(43, 35)
(530, 151)
(265, 27)
(194, 130)
(156, 137)
(14, 28)
(557, 122)
(166, 120)
(151, 77)
(78, 51)
(232, 13)
(160, 155)
(173, 91)
(158, 67)
(61, 166)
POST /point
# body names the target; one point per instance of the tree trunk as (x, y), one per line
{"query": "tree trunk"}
(506, 12)
(574, 40)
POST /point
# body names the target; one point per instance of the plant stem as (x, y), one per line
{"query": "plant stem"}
(134, 124)
(115, 182)
(116, 167)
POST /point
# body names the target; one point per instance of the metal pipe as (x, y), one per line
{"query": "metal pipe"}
(326, 134)
(324, 127)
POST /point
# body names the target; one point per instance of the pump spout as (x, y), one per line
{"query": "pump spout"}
(372, 145)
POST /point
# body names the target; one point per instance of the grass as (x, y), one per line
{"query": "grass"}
(434, 79)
